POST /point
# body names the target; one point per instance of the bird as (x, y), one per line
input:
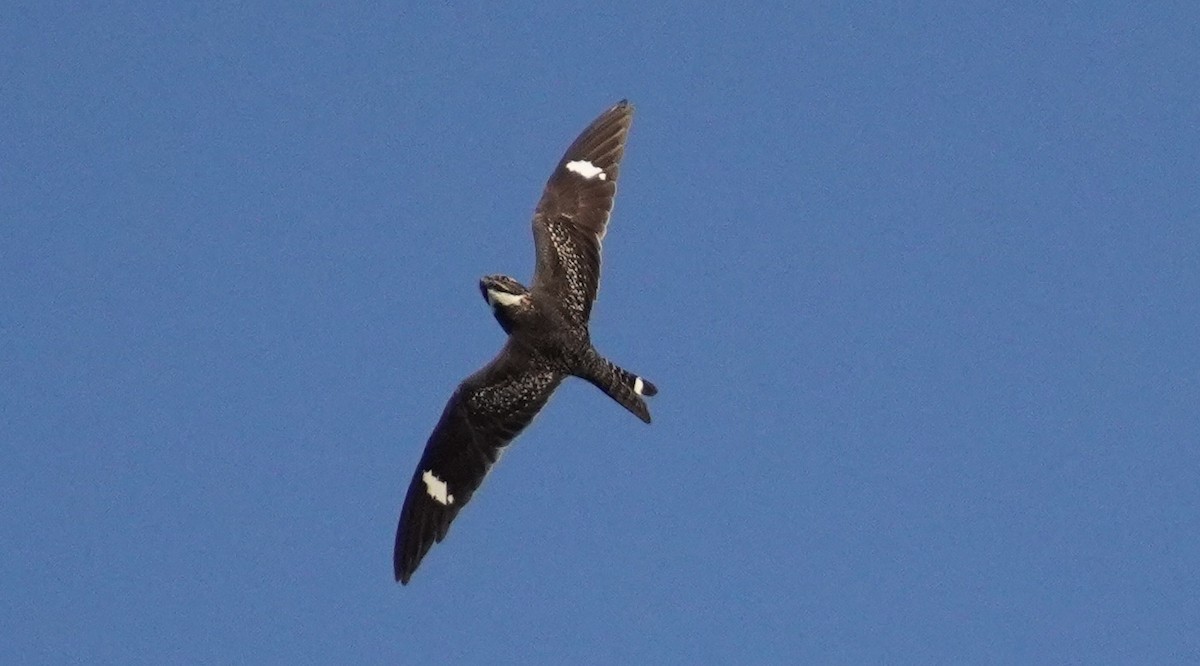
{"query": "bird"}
(548, 341)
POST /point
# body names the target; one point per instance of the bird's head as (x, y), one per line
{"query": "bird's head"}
(506, 296)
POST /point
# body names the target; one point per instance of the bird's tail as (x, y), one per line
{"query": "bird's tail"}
(621, 385)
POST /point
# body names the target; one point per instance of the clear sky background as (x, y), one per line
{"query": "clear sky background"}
(920, 288)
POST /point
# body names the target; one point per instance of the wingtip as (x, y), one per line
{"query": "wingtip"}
(402, 574)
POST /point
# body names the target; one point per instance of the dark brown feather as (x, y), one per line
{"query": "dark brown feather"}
(488, 410)
(572, 217)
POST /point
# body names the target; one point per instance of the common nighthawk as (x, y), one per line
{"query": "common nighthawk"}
(547, 327)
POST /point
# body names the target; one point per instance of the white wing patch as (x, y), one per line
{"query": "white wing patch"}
(587, 169)
(638, 384)
(437, 488)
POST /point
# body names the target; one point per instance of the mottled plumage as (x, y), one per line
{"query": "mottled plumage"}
(548, 341)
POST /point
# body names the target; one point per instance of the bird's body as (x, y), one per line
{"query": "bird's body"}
(548, 340)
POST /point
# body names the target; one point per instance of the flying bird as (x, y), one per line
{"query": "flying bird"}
(548, 340)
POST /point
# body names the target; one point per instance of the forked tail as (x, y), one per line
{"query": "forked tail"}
(621, 385)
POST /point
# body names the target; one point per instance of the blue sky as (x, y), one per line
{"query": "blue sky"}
(920, 288)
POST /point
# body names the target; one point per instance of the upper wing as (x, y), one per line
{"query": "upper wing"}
(572, 217)
(485, 413)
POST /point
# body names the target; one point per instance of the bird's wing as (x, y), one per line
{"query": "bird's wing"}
(485, 413)
(572, 216)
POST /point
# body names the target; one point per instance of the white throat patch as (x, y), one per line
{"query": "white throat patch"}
(587, 169)
(437, 488)
(504, 298)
